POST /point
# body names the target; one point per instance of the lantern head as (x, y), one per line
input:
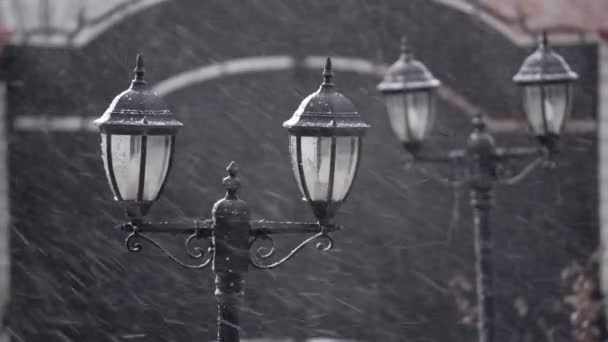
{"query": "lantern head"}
(408, 89)
(325, 135)
(137, 141)
(546, 80)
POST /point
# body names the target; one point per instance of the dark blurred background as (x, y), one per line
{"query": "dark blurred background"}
(402, 269)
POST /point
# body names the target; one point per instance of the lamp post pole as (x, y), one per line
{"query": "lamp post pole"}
(482, 150)
(231, 256)
(486, 166)
(481, 201)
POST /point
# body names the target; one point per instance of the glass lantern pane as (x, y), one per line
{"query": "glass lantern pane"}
(395, 107)
(532, 106)
(104, 158)
(347, 156)
(316, 153)
(556, 104)
(126, 162)
(410, 114)
(316, 162)
(158, 154)
(556, 107)
(293, 150)
(419, 113)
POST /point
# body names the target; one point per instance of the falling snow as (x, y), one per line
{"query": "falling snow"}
(402, 268)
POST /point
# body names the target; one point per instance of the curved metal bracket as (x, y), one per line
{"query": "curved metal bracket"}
(195, 252)
(445, 180)
(502, 165)
(507, 174)
(260, 253)
(454, 160)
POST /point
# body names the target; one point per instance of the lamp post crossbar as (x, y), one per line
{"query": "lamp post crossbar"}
(502, 164)
(204, 228)
(261, 243)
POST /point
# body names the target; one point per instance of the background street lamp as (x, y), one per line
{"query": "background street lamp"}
(546, 80)
(137, 141)
(408, 93)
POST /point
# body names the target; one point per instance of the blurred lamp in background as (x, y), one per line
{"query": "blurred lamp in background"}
(408, 90)
(546, 80)
(137, 142)
(409, 94)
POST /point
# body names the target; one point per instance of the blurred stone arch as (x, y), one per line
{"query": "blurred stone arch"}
(78, 22)
(65, 22)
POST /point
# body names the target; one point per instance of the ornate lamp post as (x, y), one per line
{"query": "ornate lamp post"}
(137, 141)
(546, 81)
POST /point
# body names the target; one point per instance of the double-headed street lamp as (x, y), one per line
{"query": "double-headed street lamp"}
(138, 134)
(409, 91)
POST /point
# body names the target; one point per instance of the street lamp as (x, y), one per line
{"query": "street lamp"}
(137, 141)
(137, 137)
(546, 80)
(408, 89)
(325, 138)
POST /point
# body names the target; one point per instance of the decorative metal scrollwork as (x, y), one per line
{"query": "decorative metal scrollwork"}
(195, 252)
(262, 248)
(266, 249)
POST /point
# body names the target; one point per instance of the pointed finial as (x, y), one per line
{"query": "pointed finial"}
(232, 181)
(406, 53)
(544, 39)
(327, 73)
(139, 70)
(478, 122)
